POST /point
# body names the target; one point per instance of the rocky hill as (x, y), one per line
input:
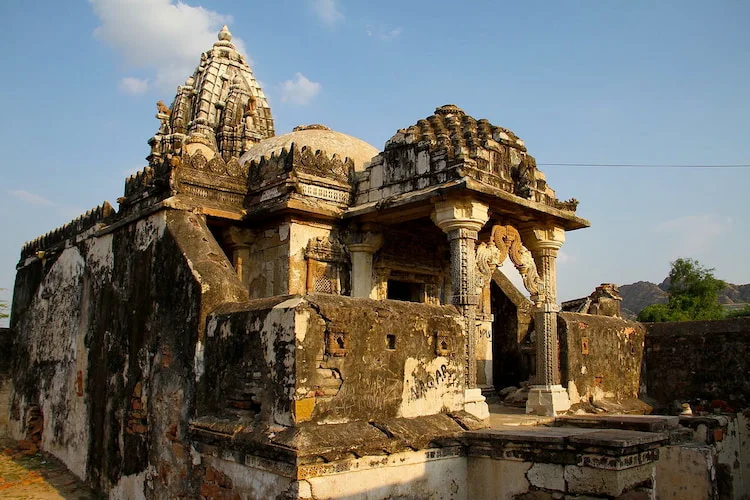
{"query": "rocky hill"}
(638, 295)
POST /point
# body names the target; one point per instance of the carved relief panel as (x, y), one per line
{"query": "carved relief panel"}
(327, 266)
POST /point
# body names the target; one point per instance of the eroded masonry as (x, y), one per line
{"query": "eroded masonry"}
(305, 316)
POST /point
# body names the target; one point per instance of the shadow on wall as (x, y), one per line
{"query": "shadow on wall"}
(703, 363)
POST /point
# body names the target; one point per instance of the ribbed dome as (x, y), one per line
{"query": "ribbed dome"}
(315, 137)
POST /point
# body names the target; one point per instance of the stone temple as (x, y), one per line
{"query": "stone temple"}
(308, 316)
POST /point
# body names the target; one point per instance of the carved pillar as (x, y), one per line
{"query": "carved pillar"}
(361, 251)
(461, 220)
(547, 396)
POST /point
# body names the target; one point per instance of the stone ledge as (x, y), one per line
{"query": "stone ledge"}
(643, 423)
(610, 449)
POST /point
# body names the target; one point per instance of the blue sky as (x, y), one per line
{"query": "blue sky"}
(606, 82)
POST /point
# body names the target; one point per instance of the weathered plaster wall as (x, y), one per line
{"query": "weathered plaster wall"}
(332, 359)
(713, 463)
(106, 335)
(600, 356)
(698, 360)
(413, 474)
(267, 267)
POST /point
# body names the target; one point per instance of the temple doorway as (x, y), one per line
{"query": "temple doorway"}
(512, 347)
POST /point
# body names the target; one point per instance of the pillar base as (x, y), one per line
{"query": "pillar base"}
(547, 400)
(476, 404)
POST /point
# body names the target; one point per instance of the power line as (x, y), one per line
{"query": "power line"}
(642, 165)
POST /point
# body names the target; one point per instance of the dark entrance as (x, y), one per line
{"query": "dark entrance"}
(512, 351)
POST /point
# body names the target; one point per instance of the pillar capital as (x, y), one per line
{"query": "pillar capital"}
(543, 238)
(367, 243)
(460, 214)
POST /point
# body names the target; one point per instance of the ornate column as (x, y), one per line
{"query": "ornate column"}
(546, 396)
(461, 219)
(361, 250)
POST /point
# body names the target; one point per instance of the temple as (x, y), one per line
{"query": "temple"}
(308, 316)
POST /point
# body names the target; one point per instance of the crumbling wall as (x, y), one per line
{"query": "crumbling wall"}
(106, 334)
(600, 357)
(704, 363)
(328, 358)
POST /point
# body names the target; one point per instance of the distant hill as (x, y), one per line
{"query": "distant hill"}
(640, 294)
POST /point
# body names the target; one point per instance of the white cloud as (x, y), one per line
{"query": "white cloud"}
(564, 258)
(384, 34)
(328, 11)
(165, 37)
(31, 198)
(693, 234)
(133, 86)
(299, 90)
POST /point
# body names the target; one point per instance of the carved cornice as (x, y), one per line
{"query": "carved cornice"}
(215, 180)
(303, 172)
(102, 214)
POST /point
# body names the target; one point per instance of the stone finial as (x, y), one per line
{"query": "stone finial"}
(449, 109)
(224, 34)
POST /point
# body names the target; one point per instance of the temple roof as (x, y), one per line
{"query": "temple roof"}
(221, 107)
(316, 138)
(450, 128)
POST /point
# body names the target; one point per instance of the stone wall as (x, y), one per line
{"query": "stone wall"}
(705, 363)
(6, 360)
(600, 357)
(266, 270)
(106, 329)
(332, 359)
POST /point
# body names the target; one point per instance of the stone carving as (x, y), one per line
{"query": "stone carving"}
(505, 241)
(522, 176)
(162, 108)
(325, 249)
(326, 265)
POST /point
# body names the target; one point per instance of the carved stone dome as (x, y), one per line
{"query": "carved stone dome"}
(315, 137)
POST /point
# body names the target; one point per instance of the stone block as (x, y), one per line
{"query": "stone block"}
(476, 404)
(591, 481)
(547, 401)
(376, 177)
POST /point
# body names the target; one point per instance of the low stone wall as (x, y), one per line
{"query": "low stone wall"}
(600, 357)
(6, 359)
(705, 363)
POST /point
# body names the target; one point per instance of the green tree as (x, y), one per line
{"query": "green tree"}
(693, 295)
